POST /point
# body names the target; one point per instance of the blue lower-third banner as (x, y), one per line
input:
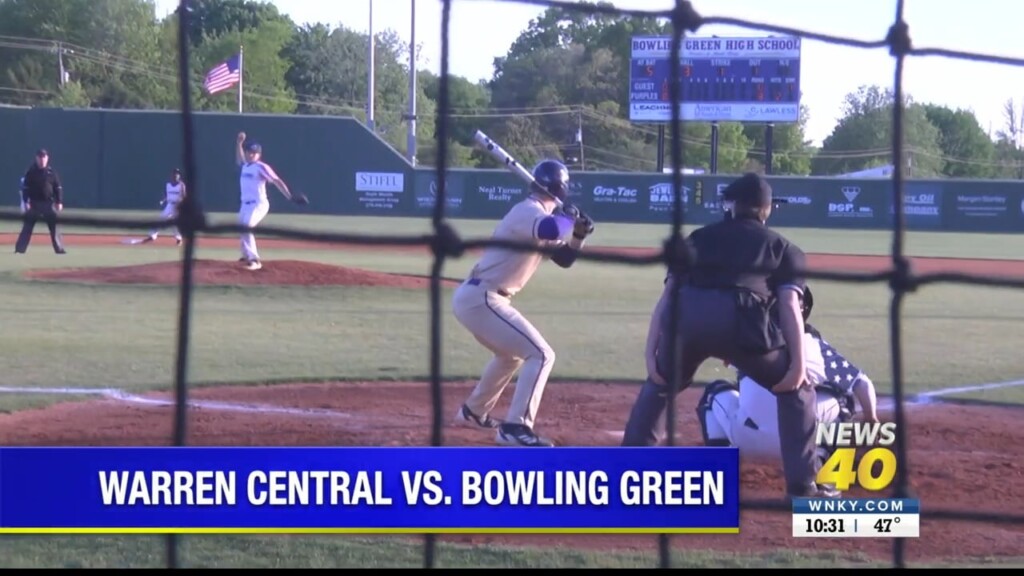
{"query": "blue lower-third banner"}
(369, 490)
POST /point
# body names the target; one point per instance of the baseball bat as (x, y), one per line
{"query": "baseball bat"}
(499, 154)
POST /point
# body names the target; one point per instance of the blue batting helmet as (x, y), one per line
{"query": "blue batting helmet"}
(552, 176)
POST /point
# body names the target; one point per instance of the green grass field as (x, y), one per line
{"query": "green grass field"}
(595, 316)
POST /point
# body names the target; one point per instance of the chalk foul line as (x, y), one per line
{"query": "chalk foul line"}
(129, 398)
(930, 397)
(116, 394)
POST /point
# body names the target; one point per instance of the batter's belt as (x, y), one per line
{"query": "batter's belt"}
(478, 282)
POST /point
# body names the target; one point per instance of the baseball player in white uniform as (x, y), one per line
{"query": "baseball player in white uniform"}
(483, 304)
(255, 173)
(174, 193)
(745, 416)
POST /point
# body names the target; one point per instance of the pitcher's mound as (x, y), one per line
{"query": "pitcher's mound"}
(218, 272)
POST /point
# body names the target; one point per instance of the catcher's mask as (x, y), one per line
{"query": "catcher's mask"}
(704, 409)
(807, 302)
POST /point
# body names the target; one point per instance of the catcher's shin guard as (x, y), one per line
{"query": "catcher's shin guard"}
(643, 420)
(712, 431)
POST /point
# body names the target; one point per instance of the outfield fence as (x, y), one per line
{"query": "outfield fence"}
(445, 242)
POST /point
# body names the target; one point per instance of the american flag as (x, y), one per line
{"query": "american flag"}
(223, 75)
(839, 371)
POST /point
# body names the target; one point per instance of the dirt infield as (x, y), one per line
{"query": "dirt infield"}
(216, 272)
(965, 457)
(831, 262)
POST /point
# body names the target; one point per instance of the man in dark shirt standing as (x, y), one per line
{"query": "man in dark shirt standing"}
(43, 196)
(750, 319)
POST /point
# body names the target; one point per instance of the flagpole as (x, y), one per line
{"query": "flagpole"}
(240, 75)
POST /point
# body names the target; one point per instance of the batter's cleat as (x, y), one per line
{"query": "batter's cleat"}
(254, 265)
(148, 239)
(177, 241)
(520, 435)
(466, 416)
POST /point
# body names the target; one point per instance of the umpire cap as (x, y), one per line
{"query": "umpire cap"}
(749, 190)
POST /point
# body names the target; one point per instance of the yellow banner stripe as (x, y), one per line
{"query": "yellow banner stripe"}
(370, 530)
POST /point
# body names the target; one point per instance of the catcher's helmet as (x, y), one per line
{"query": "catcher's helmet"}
(552, 176)
(807, 303)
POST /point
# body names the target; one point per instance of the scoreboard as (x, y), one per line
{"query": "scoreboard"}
(722, 79)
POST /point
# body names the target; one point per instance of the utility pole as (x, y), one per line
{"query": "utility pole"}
(370, 87)
(411, 116)
(60, 65)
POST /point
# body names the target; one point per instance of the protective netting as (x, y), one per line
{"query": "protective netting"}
(446, 243)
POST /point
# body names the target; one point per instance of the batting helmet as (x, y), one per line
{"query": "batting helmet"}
(552, 176)
(808, 303)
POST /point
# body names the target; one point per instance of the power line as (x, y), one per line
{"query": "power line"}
(353, 107)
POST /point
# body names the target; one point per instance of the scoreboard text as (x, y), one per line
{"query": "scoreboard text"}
(721, 79)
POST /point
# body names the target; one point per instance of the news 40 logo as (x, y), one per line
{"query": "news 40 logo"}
(877, 467)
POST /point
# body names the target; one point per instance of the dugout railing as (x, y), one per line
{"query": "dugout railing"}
(446, 243)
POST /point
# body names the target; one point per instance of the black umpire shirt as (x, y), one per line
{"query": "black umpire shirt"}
(725, 249)
(42, 185)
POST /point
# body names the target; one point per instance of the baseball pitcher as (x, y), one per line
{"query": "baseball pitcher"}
(252, 180)
(174, 193)
(483, 304)
(746, 416)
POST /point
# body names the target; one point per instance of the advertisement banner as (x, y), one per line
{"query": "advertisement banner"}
(922, 205)
(637, 198)
(614, 197)
(983, 207)
(491, 193)
(853, 203)
(798, 205)
(425, 193)
(380, 192)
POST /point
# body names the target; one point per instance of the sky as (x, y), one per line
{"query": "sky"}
(481, 30)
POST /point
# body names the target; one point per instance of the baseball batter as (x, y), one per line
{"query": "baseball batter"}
(253, 178)
(746, 416)
(483, 304)
(174, 193)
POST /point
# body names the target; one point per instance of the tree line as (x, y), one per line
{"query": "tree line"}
(565, 76)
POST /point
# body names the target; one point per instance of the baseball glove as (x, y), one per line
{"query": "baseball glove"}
(300, 199)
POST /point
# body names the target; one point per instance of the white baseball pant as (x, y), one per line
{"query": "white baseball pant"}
(168, 213)
(749, 419)
(516, 345)
(250, 215)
